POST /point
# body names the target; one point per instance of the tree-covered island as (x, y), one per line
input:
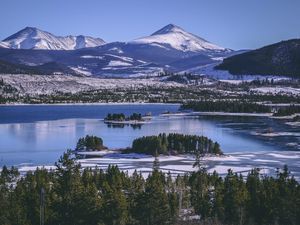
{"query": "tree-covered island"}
(90, 143)
(122, 118)
(173, 144)
(164, 144)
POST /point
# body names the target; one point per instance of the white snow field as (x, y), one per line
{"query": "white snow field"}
(48, 84)
(277, 90)
(33, 38)
(267, 162)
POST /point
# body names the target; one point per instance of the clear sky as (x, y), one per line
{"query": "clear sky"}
(237, 24)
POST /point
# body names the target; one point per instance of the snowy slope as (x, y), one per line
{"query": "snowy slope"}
(177, 38)
(3, 45)
(33, 38)
(168, 49)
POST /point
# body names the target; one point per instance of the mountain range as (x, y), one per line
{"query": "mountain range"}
(33, 38)
(170, 48)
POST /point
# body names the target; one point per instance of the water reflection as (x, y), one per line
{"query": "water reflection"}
(133, 126)
(44, 141)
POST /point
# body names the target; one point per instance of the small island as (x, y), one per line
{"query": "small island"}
(90, 143)
(120, 118)
(174, 144)
(162, 144)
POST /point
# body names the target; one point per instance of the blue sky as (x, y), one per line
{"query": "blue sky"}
(237, 24)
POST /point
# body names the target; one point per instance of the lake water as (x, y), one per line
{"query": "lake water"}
(40, 134)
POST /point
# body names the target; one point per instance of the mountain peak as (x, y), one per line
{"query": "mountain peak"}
(30, 28)
(34, 38)
(174, 37)
(24, 31)
(168, 29)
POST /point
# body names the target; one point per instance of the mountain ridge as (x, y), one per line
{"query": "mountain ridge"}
(170, 48)
(281, 59)
(34, 38)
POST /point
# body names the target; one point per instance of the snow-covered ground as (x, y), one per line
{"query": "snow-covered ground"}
(48, 84)
(277, 90)
(267, 162)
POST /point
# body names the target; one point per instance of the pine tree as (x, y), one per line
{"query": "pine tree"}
(156, 164)
(156, 207)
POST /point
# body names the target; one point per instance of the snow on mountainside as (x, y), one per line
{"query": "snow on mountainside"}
(3, 45)
(169, 49)
(177, 38)
(33, 38)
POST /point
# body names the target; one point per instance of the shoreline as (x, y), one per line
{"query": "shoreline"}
(144, 103)
(239, 162)
(91, 103)
(126, 122)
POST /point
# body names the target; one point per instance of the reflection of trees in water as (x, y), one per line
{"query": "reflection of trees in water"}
(134, 126)
(109, 125)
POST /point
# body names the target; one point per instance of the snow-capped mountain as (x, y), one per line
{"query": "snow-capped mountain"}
(33, 38)
(172, 36)
(168, 49)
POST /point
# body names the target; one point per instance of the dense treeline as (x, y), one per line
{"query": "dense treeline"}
(256, 200)
(122, 117)
(175, 144)
(287, 111)
(227, 106)
(93, 197)
(91, 143)
(220, 91)
(73, 195)
(279, 59)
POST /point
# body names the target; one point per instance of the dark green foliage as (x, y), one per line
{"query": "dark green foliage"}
(175, 144)
(122, 117)
(282, 58)
(287, 111)
(90, 143)
(135, 116)
(155, 205)
(10, 68)
(258, 200)
(227, 106)
(44, 69)
(115, 117)
(91, 196)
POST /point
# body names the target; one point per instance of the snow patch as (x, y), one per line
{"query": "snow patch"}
(118, 63)
(91, 57)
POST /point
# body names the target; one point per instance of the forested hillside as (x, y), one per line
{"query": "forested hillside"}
(70, 195)
(281, 59)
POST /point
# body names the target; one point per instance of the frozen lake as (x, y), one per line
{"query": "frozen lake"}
(38, 135)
